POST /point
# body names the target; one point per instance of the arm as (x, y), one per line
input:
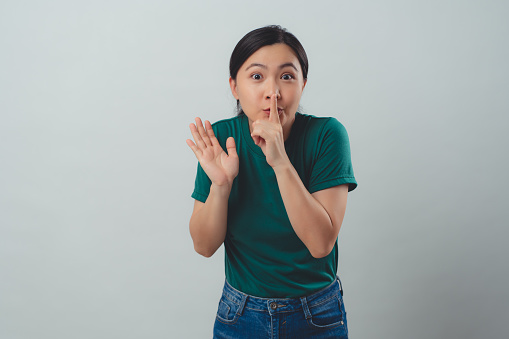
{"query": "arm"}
(208, 221)
(317, 217)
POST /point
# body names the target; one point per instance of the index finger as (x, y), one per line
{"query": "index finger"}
(274, 116)
(210, 132)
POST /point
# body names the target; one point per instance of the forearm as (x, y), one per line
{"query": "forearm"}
(208, 225)
(308, 217)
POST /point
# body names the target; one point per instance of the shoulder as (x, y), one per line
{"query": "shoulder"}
(320, 127)
(227, 127)
(226, 123)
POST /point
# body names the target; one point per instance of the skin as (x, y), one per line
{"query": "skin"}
(269, 86)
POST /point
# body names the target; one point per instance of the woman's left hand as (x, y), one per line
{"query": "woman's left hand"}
(268, 134)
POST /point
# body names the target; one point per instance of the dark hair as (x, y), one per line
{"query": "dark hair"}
(265, 36)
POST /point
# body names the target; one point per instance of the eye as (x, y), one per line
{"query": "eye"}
(287, 77)
(256, 76)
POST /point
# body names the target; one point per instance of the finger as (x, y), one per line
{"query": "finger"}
(202, 132)
(195, 149)
(255, 133)
(210, 133)
(274, 116)
(197, 137)
(230, 147)
(261, 130)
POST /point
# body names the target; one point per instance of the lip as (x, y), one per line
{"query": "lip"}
(279, 110)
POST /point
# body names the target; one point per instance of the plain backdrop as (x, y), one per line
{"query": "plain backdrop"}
(96, 98)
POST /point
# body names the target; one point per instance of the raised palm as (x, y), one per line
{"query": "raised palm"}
(221, 168)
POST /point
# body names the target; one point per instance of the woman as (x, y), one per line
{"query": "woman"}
(276, 198)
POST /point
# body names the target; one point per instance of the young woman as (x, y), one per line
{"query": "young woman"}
(272, 185)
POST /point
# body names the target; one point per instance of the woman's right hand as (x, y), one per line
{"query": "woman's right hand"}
(221, 168)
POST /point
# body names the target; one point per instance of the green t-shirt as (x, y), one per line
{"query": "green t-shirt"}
(263, 255)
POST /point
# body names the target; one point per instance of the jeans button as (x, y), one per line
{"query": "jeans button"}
(273, 305)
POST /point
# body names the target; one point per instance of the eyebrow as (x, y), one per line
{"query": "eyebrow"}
(280, 67)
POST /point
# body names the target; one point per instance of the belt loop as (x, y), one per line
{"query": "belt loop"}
(305, 307)
(242, 304)
(340, 285)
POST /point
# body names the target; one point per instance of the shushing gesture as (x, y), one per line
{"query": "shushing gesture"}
(268, 134)
(221, 168)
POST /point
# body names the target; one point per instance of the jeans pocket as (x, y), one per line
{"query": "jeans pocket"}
(227, 310)
(328, 314)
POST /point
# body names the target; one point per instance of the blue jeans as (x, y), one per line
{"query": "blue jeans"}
(319, 315)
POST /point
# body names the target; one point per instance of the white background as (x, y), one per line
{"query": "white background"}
(95, 175)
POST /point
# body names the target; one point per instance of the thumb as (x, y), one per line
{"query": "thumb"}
(230, 147)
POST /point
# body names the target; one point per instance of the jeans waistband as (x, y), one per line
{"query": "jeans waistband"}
(280, 305)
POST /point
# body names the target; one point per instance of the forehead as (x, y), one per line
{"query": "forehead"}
(273, 56)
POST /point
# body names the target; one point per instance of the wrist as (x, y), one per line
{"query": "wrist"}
(280, 162)
(283, 167)
(221, 190)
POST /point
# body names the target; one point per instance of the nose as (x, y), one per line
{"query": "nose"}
(272, 87)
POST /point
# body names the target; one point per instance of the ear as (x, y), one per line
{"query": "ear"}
(233, 87)
(304, 85)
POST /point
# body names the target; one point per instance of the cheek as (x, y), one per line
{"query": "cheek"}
(246, 93)
(293, 98)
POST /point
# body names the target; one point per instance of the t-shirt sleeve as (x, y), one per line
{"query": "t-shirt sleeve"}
(333, 164)
(201, 185)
